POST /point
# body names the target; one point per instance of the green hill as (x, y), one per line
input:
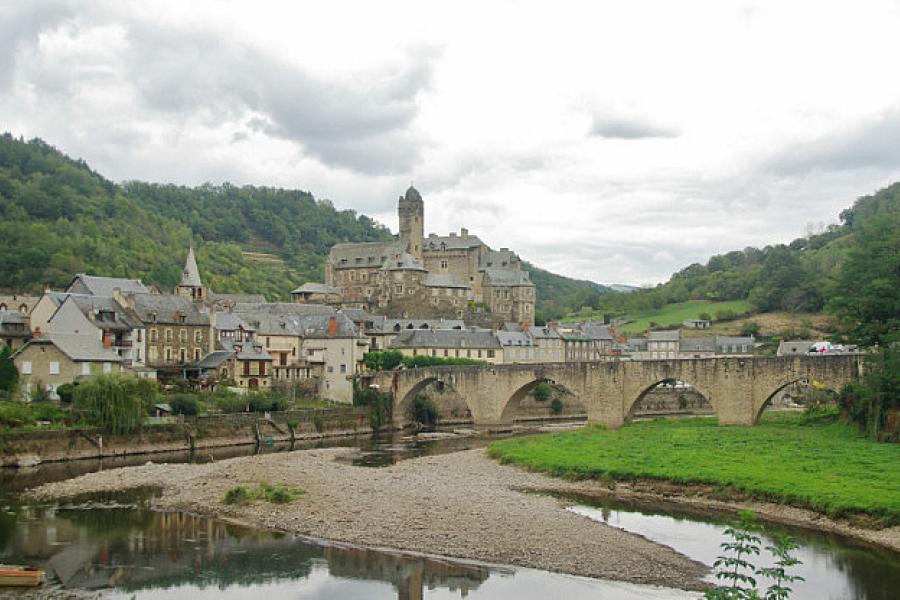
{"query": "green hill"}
(58, 218)
(810, 274)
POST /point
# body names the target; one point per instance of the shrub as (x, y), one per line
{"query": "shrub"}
(411, 362)
(750, 328)
(15, 414)
(383, 361)
(542, 392)
(556, 406)
(238, 495)
(380, 405)
(228, 401)
(424, 411)
(704, 316)
(66, 392)
(184, 404)
(39, 393)
(869, 400)
(9, 376)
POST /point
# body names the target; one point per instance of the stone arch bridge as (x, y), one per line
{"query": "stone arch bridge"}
(738, 388)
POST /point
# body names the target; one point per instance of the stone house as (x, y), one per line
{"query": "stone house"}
(435, 277)
(548, 343)
(384, 330)
(177, 331)
(663, 344)
(450, 343)
(18, 303)
(316, 293)
(92, 285)
(518, 347)
(112, 324)
(14, 331)
(794, 348)
(58, 358)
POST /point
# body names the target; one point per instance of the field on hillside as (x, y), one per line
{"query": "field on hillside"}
(674, 314)
(804, 325)
(825, 465)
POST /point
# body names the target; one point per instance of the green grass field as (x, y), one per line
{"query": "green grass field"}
(824, 465)
(674, 314)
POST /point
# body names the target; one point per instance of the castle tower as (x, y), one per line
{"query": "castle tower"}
(411, 210)
(191, 286)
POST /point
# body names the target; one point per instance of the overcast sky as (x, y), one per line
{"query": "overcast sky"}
(617, 143)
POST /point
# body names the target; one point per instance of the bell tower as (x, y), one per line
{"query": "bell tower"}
(411, 210)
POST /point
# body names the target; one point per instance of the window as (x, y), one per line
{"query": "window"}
(490, 354)
(182, 336)
(153, 335)
(107, 367)
(196, 353)
(168, 355)
(343, 368)
(246, 367)
(54, 368)
(282, 359)
(26, 368)
(168, 334)
(182, 355)
(198, 337)
(398, 289)
(85, 368)
(443, 264)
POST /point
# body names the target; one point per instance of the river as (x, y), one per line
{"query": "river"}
(118, 546)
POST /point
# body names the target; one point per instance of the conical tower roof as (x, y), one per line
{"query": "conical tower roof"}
(190, 277)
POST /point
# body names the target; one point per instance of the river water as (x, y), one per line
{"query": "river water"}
(118, 548)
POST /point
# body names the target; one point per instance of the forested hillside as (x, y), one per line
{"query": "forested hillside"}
(808, 275)
(58, 217)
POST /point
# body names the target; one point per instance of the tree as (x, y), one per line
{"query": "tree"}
(116, 403)
(867, 294)
(750, 328)
(9, 376)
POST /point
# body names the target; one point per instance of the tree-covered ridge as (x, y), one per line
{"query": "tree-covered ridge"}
(58, 218)
(810, 274)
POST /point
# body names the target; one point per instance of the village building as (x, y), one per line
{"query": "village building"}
(414, 277)
(479, 344)
(18, 303)
(92, 285)
(548, 343)
(58, 358)
(14, 331)
(316, 293)
(518, 347)
(177, 331)
(794, 348)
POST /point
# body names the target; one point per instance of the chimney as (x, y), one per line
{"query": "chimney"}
(332, 326)
(107, 342)
(178, 316)
(37, 332)
(463, 232)
(554, 325)
(453, 234)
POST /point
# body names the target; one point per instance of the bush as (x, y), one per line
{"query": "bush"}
(726, 315)
(383, 361)
(266, 401)
(276, 494)
(542, 392)
(424, 412)
(556, 406)
(704, 316)
(184, 404)
(380, 405)
(228, 401)
(39, 393)
(750, 328)
(9, 376)
(66, 392)
(15, 414)
(411, 362)
(869, 400)
(238, 495)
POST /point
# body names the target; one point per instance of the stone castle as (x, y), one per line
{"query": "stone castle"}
(416, 277)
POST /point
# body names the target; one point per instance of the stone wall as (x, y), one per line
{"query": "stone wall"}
(33, 447)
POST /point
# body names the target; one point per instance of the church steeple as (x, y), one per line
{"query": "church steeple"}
(191, 286)
(411, 210)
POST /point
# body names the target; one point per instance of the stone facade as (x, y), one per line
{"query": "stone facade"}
(56, 359)
(415, 277)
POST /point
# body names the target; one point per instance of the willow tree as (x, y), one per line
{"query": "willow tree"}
(115, 403)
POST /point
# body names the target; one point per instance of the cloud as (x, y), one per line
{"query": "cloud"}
(870, 143)
(628, 128)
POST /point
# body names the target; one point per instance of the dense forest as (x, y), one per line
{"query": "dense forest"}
(810, 274)
(58, 218)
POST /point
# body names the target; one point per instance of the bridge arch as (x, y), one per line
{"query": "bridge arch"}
(515, 399)
(403, 402)
(631, 408)
(832, 386)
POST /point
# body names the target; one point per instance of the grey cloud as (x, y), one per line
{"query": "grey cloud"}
(873, 143)
(363, 125)
(20, 25)
(628, 128)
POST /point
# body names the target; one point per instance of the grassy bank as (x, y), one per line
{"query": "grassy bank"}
(675, 314)
(824, 465)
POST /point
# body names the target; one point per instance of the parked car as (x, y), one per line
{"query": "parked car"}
(825, 348)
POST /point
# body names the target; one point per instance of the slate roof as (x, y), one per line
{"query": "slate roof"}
(446, 338)
(539, 332)
(226, 321)
(247, 350)
(597, 331)
(443, 280)
(514, 338)
(12, 317)
(313, 325)
(697, 344)
(190, 276)
(451, 242)
(636, 344)
(165, 307)
(77, 347)
(214, 360)
(103, 286)
(93, 306)
(281, 308)
(389, 325)
(498, 259)
(372, 254)
(664, 336)
(311, 287)
(507, 278)
(12, 324)
(215, 297)
(14, 301)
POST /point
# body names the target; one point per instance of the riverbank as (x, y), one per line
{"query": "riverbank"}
(460, 505)
(30, 448)
(823, 466)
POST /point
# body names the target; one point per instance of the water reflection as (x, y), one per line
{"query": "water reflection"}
(834, 568)
(135, 552)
